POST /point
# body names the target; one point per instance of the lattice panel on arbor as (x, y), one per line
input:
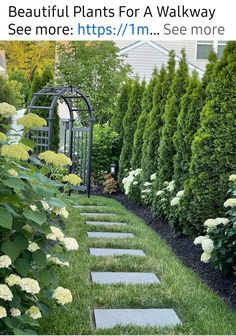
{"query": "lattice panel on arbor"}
(41, 137)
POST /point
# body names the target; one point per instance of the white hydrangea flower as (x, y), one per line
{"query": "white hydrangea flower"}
(230, 203)
(147, 184)
(3, 312)
(61, 212)
(5, 293)
(205, 257)
(232, 178)
(166, 183)
(58, 262)
(34, 312)
(46, 206)
(171, 186)
(62, 295)
(30, 285)
(135, 183)
(15, 312)
(70, 244)
(175, 201)
(5, 261)
(13, 280)
(56, 234)
(223, 220)
(137, 172)
(198, 240)
(180, 193)
(208, 245)
(159, 192)
(33, 207)
(153, 177)
(33, 247)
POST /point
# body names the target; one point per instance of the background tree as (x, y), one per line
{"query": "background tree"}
(213, 149)
(46, 78)
(172, 109)
(154, 125)
(120, 111)
(28, 56)
(187, 125)
(147, 103)
(10, 92)
(97, 69)
(129, 124)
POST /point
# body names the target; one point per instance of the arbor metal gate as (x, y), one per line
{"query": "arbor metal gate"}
(77, 132)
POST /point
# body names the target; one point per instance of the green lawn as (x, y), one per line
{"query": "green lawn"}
(200, 310)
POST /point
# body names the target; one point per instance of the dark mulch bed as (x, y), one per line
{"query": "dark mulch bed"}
(187, 252)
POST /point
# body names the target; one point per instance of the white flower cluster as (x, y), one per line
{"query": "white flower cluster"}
(170, 186)
(15, 312)
(58, 211)
(3, 312)
(212, 223)
(13, 280)
(175, 201)
(153, 177)
(57, 261)
(33, 247)
(62, 295)
(34, 312)
(70, 244)
(159, 193)
(127, 181)
(207, 246)
(147, 184)
(230, 203)
(5, 261)
(232, 178)
(29, 285)
(5, 293)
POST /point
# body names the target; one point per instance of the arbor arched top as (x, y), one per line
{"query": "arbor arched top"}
(69, 94)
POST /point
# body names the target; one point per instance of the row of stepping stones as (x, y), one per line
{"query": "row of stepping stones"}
(108, 318)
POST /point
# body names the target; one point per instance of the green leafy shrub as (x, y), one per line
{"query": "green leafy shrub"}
(129, 124)
(41, 80)
(31, 208)
(213, 148)
(219, 244)
(105, 150)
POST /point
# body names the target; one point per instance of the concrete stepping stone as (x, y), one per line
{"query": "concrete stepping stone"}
(106, 252)
(96, 214)
(134, 278)
(106, 223)
(115, 235)
(155, 318)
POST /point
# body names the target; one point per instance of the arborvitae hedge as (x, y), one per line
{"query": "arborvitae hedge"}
(172, 109)
(154, 125)
(213, 149)
(121, 109)
(39, 81)
(147, 104)
(187, 125)
(129, 125)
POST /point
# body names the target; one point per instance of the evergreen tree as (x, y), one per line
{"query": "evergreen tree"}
(187, 125)
(40, 81)
(129, 125)
(120, 111)
(213, 148)
(172, 109)
(147, 103)
(153, 127)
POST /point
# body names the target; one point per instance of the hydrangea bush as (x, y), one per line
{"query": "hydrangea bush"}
(30, 206)
(219, 243)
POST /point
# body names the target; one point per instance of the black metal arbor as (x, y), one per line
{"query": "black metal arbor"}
(77, 130)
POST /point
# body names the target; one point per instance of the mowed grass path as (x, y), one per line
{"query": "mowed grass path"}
(200, 310)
